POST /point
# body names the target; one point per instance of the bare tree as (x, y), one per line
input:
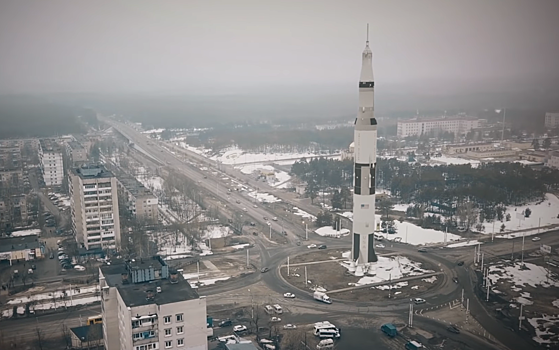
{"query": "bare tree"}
(66, 336)
(40, 338)
(295, 339)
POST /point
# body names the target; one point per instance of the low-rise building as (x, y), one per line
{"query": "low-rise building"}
(494, 153)
(76, 153)
(534, 156)
(140, 202)
(21, 248)
(553, 160)
(146, 305)
(87, 337)
(471, 147)
(460, 125)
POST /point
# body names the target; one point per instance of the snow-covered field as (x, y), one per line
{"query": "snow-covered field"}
(453, 160)
(235, 156)
(263, 197)
(389, 268)
(197, 281)
(303, 214)
(542, 325)
(279, 178)
(214, 231)
(464, 244)
(534, 275)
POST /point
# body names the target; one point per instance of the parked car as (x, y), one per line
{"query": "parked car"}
(275, 319)
(380, 246)
(51, 256)
(453, 329)
(34, 267)
(455, 279)
(289, 295)
(460, 263)
(422, 250)
(226, 323)
(239, 328)
(310, 246)
(419, 301)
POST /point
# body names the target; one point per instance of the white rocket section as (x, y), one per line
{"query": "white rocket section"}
(365, 154)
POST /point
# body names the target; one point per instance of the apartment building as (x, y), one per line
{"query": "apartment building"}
(552, 120)
(457, 125)
(94, 205)
(141, 203)
(147, 306)
(76, 153)
(50, 156)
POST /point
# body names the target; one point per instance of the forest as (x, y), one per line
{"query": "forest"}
(450, 190)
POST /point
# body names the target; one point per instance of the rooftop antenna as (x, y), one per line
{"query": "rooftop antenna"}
(367, 33)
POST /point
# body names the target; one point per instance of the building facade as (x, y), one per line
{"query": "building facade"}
(553, 160)
(552, 120)
(457, 125)
(21, 248)
(468, 148)
(52, 167)
(146, 306)
(140, 202)
(94, 206)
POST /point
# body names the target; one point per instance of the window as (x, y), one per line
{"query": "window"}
(180, 342)
(168, 332)
(167, 319)
(168, 344)
(179, 317)
(180, 330)
(135, 324)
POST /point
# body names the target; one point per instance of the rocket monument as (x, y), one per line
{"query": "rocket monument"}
(365, 161)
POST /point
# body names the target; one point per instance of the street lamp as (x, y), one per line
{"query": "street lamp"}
(306, 230)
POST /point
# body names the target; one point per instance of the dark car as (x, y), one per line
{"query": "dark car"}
(34, 267)
(460, 263)
(453, 329)
(264, 269)
(226, 323)
(322, 246)
(422, 250)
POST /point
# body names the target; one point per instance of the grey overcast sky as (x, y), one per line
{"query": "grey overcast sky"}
(131, 46)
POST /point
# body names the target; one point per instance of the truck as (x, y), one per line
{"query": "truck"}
(389, 330)
(320, 296)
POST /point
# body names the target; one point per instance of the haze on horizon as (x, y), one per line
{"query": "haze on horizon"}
(247, 45)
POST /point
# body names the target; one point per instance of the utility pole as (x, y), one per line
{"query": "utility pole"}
(493, 232)
(270, 232)
(462, 300)
(306, 232)
(522, 255)
(467, 308)
(482, 255)
(306, 278)
(389, 285)
(288, 266)
(520, 318)
(475, 255)
(512, 255)
(487, 286)
(198, 269)
(410, 317)
(248, 258)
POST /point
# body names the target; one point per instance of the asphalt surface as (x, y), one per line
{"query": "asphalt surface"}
(274, 257)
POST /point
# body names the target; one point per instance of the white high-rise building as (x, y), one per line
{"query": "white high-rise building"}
(94, 205)
(50, 156)
(457, 125)
(147, 306)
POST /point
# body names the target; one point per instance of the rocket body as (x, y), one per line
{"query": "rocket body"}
(365, 159)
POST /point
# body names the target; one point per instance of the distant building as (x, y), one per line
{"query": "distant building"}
(465, 148)
(457, 125)
(94, 205)
(140, 202)
(534, 156)
(87, 337)
(76, 153)
(553, 160)
(50, 156)
(21, 248)
(348, 153)
(552, 120)
(146, 305)
(493, 153)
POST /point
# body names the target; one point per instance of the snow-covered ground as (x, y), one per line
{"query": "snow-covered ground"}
(22, 233)
(278, 180)
(214, 231)
(237, 156)
(56, 294)
(453, 160)
(263, 197)
(389, 268)
(328, 231)
(542, 326)
(53, 305)
(407, 232)
(198, 281)
(534, 275)
(303, 214)
(464, 244)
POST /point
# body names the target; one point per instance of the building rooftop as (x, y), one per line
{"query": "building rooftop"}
(88, 333)
(48, 145)
(75, 145)
(135, 187)
(435, 119)
(12, 244)
(92, 171)
(174, 289)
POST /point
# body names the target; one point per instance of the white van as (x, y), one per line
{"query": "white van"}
(325, 344)
(278, 309)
